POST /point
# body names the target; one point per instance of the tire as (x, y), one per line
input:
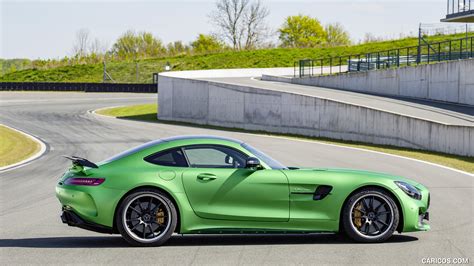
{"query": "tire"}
(146, 218)
(370, 216)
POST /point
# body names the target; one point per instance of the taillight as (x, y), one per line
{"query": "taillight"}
(84, 181)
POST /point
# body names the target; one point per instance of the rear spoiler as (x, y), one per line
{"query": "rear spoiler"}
(78, 161)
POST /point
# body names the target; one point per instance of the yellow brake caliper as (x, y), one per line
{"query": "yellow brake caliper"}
(160, 216)
(358, 215)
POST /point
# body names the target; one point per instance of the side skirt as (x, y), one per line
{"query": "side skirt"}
(252, 231)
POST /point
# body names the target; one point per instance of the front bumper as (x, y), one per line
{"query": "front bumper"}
(422, 217)
(70, 218)
(415, 212)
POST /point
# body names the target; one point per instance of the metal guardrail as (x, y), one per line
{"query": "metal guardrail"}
(85, 87)
(459, 6)
(423, 54)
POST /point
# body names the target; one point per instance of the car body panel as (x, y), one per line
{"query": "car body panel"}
(238, 200)
(238, 194)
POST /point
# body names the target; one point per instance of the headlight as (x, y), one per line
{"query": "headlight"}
(409, 190)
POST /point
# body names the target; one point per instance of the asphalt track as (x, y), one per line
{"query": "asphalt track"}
(31, 232)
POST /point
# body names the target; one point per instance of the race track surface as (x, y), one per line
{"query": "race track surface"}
(32, 233)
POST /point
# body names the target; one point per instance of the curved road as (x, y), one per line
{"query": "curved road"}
(31, 231)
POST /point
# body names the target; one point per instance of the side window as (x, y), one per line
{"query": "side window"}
(214, 157)
(173, 157)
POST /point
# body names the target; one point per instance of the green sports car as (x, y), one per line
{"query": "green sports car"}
(209, 185)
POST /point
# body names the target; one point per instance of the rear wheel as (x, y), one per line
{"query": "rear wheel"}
(370, 215)
(146, 217)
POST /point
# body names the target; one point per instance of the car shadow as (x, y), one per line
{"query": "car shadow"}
(190, 240)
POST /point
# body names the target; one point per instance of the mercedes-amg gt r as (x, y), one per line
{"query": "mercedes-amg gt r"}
(206, 184)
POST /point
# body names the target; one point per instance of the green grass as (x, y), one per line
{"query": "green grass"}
(15, 147)
(125, 71)
(138, 112)
(148, 112)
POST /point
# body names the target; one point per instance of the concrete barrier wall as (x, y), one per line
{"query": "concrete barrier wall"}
(213, 103)
(447, 82)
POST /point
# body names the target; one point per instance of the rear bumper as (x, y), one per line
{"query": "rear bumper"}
(93, 204)
(70, 218)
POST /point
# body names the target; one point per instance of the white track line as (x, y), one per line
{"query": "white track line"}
(29, 159)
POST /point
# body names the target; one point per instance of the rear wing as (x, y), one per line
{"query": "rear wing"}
(78, 161)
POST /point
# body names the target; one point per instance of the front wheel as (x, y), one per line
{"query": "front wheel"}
(370, 215)
(146, 217)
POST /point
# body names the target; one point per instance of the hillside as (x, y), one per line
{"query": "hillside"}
(125, 71)
(12, 65)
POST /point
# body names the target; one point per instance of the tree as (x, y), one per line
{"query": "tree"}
(96, 47)
(254, 23)
(137, 45)
(369, 37)
(126, 45)
(337, 35)
(206, 43)
(149, 46)
(240, 22)
(81, 43)
(302, 31)
(177, 47)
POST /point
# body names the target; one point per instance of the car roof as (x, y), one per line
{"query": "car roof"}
(169, 139)
(200, 137)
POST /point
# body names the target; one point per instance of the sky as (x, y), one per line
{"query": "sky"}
(46, 29)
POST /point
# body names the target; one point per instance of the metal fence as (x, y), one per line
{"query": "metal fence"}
(85, 87)
(459, 6)
(423, 54)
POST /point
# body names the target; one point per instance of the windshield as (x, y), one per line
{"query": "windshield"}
(132, 151)
(274, 164)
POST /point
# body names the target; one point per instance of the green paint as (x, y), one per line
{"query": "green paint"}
(233, 199)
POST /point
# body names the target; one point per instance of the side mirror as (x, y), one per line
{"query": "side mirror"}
(228, 159)
(252, 162)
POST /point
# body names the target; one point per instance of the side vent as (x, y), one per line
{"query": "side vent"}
(321, 192)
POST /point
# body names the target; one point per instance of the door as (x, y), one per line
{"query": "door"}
(219, 187)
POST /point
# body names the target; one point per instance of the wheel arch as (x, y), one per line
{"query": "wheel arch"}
(388, 191)
(164, 191)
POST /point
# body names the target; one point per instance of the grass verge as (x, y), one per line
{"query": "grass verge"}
(15, 147)
(139, 112)
(147, 113)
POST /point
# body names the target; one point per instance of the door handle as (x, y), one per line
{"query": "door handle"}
(206, 177)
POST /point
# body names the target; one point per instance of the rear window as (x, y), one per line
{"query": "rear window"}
(172, 157)
(133, 150)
